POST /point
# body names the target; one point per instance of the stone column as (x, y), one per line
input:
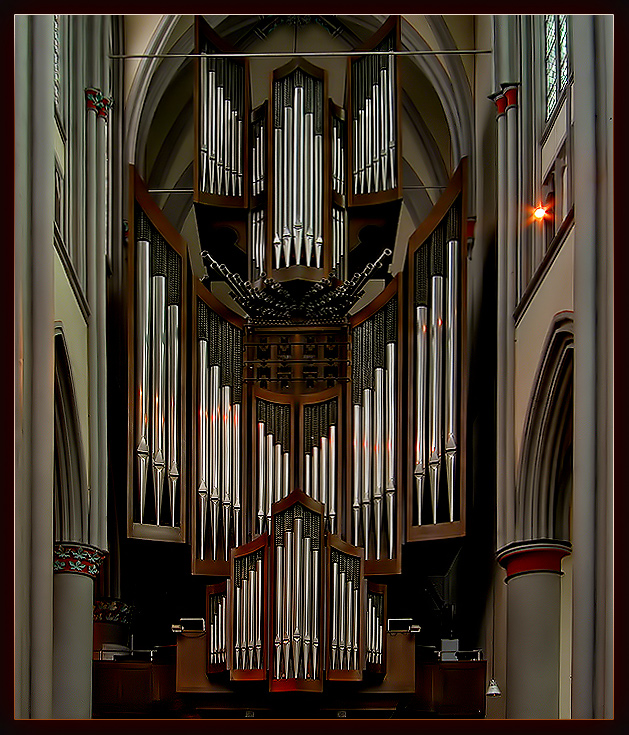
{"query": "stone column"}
(75, 567)
(533, 627)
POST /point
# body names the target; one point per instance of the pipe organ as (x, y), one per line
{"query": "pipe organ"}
(374, 417)
(216, 617)
(297, 447)
(157, 462)
(374, 120)
(436, 275)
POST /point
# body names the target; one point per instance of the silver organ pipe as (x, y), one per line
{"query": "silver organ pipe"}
(451, 354)
(216, 630)
(269, 464)
(287, 189)
(374, 412)
(248, 615)
(227, 427)
(212, 135)
(308, 169)
(142, 356)
(375, 628)
(172, 419)
(158, 370)
(219, 479)
(202, 455)
(221, 125)
(344, 609)
(280, 584)
(203, 123)
(332, 465)
(272, 458)
(435, 368)
(298, 163)
(298, 167)
(374, 121)
(261, 473)
(307, 596)
(295, 626)
(421, 367)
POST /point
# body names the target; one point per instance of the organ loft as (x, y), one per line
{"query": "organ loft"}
(292, 423)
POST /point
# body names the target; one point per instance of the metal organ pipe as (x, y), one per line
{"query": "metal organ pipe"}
(451, 319)
(378, 454)
(158, 371)
(287, 233)
(308, 170)
(212, 126)
(203, 464)
(390, 443)
(435, 402)
(332, 478)
(307, 617)
(298, 168)
(142, 357)
(174, 275)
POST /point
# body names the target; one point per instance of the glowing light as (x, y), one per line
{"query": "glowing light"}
(539, 213)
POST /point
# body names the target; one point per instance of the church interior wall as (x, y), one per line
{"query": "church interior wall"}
(69, 317)
(555, 294)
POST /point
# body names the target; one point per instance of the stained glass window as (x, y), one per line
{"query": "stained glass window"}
(556, 56)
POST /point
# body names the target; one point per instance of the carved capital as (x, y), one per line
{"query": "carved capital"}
(76, 558)
(95, 101)
(112, 611)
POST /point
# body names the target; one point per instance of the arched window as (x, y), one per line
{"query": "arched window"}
(557, 53)
(545, 478)
(70, 484)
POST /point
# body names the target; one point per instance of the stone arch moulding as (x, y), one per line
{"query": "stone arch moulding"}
(150, 81)
(70, 476)
(548, 423)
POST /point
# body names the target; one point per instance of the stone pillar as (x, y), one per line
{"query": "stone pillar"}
(533, 627)
(75, 567)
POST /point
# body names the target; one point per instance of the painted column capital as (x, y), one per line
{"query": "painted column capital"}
(95, 101)
(510, 92)
(529, 557)
(500, 101)
(76, 558)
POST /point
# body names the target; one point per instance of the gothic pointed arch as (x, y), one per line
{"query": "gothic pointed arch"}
(545, 470)
(70, 481)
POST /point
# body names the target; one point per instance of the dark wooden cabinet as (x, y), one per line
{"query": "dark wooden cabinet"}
(450, 688)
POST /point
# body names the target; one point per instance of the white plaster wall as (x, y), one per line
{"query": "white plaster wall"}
(70, 317)
(138, 32)
(462, 28)
(554, 294)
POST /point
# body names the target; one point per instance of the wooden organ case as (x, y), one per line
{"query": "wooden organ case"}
(319, 439)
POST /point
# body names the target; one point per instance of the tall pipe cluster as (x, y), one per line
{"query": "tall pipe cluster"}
(221, 126)
(345, 610)
(338, 241)
(258, 241)
(297, 624)
(298, 170)
(216, 624)
(219, 455)
(157, 374)
(374, 120)
(248, 613)
(258, 156)
(273, 458)
(375, 628)
(436, 276)
(373, 431)
(338, 155)
(320, 468)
